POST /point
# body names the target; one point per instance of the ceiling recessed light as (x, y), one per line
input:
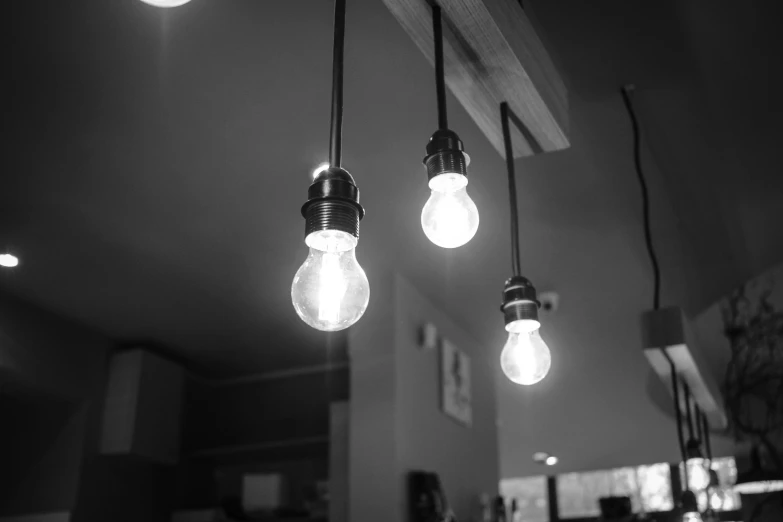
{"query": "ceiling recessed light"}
(542, 457)
(320, 168)
(8, 260)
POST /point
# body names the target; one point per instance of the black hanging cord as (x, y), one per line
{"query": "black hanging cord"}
(688, 414)
(637, 156)
(678, 416)
(697, 420)
(706, 433)
(440, 75)
(512, 190)
(336, 131)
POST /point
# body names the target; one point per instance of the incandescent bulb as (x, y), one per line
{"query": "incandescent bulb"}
(166, 3)
(9, 260)
(698, 473)
(449, 218)
(330, 291)
(525, 358)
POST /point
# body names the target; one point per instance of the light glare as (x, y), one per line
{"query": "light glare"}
(320, 168)
(8, 260)
(166, 3)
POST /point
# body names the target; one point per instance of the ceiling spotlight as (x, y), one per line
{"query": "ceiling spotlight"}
(320, 168)
(542, 457)
(166, 3)
(8, 260)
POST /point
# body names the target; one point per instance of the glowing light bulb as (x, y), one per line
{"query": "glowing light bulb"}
(525, 358)
(698, 473)
(691, 516)
(166, 3)
(330, 291)
(8, 260)
(449, 218)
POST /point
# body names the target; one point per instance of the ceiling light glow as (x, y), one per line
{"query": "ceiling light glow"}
(166, 3)
(551, 460)
(8, 260)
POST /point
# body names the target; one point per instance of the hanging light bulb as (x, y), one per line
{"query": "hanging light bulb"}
(696, 465)
(166, 3)
(449, 218)
(330, 290)
(8, 260)
(525, 358)
(690, 508)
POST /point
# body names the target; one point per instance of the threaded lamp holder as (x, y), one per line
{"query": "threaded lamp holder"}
(445, 154)
(333, 203)
(520, 301)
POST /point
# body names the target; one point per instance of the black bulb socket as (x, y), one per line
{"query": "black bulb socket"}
(445, 154)
(693, 449)
(688, 502)
(520, 301)
(333, 203)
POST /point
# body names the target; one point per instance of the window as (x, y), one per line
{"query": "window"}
(531, 496)
(648, 487)
(723, 497)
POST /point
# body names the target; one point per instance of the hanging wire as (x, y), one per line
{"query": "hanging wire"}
(688, 414)
(678, 416)
(512, 190)
(706, 432)
(440, 74)
(336, 130)
(627, 92)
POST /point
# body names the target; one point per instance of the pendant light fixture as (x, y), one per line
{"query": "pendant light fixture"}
(696, 466)
(449, 218)
(525, 358)
(330, 290)
(688, 503)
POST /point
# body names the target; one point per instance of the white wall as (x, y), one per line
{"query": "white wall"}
(396, 422)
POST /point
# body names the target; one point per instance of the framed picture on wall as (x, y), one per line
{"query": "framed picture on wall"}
(455, 383)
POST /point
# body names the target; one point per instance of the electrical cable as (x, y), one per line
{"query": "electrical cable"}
(627, 91)
(688, 414)
(512, 190)
(678, 416)
(338, 51)
(440, 75)
(707, 442)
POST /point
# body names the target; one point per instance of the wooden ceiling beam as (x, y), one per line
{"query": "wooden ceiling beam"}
(492, 54)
